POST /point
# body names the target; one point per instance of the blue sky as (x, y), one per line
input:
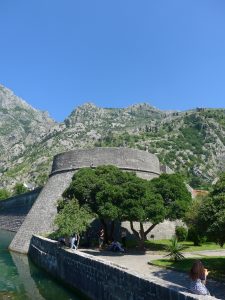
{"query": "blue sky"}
(57, 55)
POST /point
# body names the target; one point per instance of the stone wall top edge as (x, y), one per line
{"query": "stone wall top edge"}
(58, 171)
(104, 149)
(122, 157)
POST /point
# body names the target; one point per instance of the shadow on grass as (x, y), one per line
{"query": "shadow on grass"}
(152, 246)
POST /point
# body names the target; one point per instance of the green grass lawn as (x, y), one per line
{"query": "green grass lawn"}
(216, 265)
(160, 245)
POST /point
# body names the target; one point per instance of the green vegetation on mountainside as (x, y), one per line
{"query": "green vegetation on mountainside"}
(187, 143)
(192, 142)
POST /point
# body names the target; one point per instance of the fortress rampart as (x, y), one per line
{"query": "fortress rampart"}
(141, 162)
(40, 219)
(14, 210)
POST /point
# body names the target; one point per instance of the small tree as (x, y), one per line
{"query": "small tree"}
(72, 218)
(181, 233)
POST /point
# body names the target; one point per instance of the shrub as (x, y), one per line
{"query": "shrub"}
(175, 249)
(181, 233)
(4, 194)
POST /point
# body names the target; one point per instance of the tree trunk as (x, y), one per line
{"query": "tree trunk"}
(135, 232)
(111, 235)
(149, 230)
(142, 236)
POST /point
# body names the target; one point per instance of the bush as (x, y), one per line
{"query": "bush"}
(4, 194)
(181, 233)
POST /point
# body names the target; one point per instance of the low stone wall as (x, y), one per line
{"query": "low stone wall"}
(101, 280)
(14, 210)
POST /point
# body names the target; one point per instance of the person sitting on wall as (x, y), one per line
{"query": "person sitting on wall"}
(198, 275)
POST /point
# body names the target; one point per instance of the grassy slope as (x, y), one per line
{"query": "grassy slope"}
(160, 245)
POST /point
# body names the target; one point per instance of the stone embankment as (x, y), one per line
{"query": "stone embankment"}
(102, 280)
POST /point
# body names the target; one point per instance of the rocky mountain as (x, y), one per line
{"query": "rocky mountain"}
(20, 126)
(192, 142)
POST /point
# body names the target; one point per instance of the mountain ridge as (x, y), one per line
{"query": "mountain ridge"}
(191, 142)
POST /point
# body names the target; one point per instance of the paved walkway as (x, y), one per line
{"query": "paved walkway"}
(138, 262)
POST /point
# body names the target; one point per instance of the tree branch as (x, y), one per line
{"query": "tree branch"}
(150, 229)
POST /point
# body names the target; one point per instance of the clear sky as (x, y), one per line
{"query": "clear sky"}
(58, 54)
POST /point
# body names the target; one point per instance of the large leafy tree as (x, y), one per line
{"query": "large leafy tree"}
(211, 216)
(116, 195)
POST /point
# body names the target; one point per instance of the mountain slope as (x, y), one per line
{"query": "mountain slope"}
(191, 142)
(20, 124)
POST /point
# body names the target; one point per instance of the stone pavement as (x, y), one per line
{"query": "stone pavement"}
(138, 262)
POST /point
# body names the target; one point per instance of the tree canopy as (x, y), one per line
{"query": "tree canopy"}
(72, 218)
(113, 194)
(103, 189)
(175, 194)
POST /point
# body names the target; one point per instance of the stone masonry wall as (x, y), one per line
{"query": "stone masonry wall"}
(14, 210)
(141, 162)
(102, 280)
(41, 216)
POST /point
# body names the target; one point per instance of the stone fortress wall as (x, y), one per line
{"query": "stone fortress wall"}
(14, 210)
(41, 216)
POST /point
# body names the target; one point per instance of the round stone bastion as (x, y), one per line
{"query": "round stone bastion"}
(144, 164)
(40, 219)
